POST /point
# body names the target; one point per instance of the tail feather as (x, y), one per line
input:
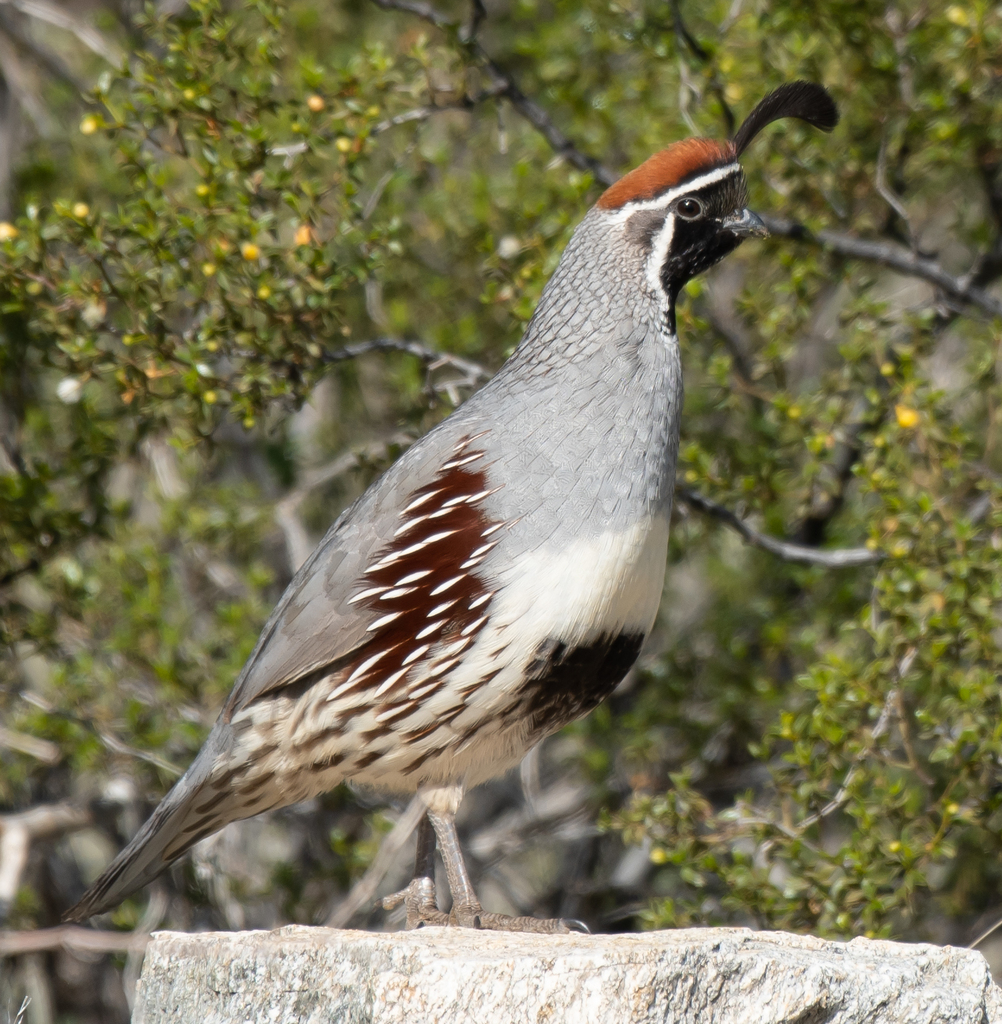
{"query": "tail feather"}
(194, 808)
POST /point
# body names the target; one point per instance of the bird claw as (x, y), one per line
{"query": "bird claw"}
(419, 900)
(476, 917)
(422, 909)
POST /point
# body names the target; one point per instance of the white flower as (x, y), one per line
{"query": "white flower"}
(70, 390)
(508, 247)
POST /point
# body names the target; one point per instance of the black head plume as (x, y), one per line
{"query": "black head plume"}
(805, 100)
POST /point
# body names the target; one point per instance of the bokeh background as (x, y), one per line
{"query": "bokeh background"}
(250, 251)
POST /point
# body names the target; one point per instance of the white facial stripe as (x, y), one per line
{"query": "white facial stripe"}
(659, 252)
(628, 209)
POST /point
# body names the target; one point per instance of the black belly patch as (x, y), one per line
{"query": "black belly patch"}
(563, 683)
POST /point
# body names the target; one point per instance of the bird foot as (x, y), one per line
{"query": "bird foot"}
(476, 917)
(419, 899)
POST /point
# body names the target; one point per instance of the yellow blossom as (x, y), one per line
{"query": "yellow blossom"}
(7, 231)
(89, 125)
(315, 103)
(908, 417)
(264, 292)
(80, 210)
(304, 234)
(249, 251)
(343, 144)
(209, 397)
(208, 269)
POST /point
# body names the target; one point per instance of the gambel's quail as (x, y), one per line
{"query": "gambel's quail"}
(498, 581)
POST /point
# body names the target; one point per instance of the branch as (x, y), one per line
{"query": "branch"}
(364, 890)
(41, 750)
(48, 59)
(422, 10)
(889, 255)
(297, 541)
(69, 936)
(839, 558)
(704, 57)
(22, 570)
(473, 373)
(883, 722)
(503, 84)
(53, 14)
(18, 831)
(828, 490)
(541, 121)
(423, 113)
(113, 743)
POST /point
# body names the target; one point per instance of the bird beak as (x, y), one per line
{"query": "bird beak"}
(745, 224)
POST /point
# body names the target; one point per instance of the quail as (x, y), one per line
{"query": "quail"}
(498, 581)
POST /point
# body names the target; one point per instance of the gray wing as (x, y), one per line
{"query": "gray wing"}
(312, 627)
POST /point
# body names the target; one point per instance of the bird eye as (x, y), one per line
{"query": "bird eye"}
(689, 208)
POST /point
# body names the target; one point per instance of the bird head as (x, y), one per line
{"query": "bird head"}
(685, 206)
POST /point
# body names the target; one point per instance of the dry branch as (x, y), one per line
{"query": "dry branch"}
(837, 558)
(19, 831)
(70, 936)
(887, 254)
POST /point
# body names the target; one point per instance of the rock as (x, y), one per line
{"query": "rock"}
(459, 976)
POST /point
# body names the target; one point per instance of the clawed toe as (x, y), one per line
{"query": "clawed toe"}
(419, 900)
(479, 918)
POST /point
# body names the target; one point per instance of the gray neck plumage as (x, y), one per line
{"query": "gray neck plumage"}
(593, 393)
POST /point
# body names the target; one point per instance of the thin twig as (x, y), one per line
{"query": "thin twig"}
(888, 194)
(888, 254)
(422, 10)
(363, 892)
(906, 740)
(838, 558)
(704, 57)
(473, 372)
(297, 542)
(878, 730)
(425, 112)
(113, 743)
(503, 84)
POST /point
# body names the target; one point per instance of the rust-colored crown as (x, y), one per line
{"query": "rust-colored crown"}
(666, 169)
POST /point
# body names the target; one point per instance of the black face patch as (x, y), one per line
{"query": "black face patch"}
(563, 683)
(699, 243)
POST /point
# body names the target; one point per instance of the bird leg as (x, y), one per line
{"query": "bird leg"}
(466, 909)
(419, 896)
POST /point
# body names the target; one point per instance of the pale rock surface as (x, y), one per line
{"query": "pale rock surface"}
(299, 975)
